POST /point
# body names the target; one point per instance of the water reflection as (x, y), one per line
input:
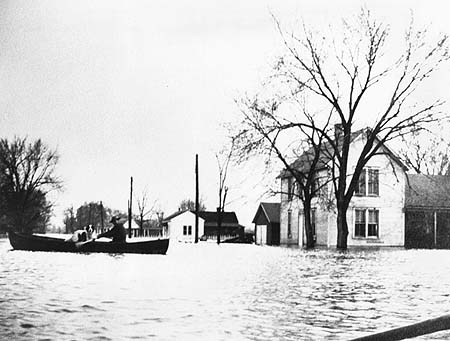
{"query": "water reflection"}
(210, 292)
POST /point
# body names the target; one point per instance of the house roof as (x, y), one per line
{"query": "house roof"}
(427, 191)
(173, 215)
(271, 211)
(303, 163)
(211, 217)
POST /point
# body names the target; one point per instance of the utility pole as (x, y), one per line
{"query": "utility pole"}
(196, 198)
(101, 217)
(130, 201)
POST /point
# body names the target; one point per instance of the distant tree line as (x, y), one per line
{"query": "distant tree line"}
(99, 216)
(92, 213)
(188, 204)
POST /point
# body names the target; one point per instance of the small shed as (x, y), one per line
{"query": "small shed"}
(230, 226)
(267, 224)
(427, 211)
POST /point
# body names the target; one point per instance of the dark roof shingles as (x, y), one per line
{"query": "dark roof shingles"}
(272, 210)
(427, 191)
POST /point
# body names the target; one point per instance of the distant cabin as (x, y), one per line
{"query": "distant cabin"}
(181, 225)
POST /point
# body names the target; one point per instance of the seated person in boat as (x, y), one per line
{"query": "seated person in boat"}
(117, 232)
(90, 231)
(78, 236)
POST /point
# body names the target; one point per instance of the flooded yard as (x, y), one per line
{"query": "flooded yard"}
(226, 292)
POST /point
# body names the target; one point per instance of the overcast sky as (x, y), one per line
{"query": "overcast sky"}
(137, 88)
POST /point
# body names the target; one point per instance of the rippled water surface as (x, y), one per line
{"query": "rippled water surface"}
(226, 292)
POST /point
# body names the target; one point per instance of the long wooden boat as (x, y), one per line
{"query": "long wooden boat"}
(32, 242)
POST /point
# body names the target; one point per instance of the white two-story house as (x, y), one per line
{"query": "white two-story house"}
(376, 213)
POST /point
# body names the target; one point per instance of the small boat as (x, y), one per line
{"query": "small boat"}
(32, 242)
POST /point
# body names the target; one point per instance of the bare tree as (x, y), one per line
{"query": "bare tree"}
(69, 220)
(223, 161)
(345, 75)
(27, 175)
(145, 208)
(426, 153)
(261, 132)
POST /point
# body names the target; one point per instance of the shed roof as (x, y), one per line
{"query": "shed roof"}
(428, 191)
(271, 211)
(211, 217)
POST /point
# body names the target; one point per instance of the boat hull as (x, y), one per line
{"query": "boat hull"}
(26, 242)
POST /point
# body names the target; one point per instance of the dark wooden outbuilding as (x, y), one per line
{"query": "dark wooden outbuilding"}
(427, 212)
(229, 225)
(267, 224)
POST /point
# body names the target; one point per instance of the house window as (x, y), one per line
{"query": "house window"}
(368, 182)
(360, 223)
(372, 229)
(366, 220)
(361, 186)
(190, 230)
(289, 224)
(313, 223)
(184, 230)
(373, 181)
(289, 189)
(321, 188)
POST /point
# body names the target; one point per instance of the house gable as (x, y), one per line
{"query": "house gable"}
(267, 213)
(381, 211)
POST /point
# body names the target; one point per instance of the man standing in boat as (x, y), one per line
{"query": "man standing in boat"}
(117, 232)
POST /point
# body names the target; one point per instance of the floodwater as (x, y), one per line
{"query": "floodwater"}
(226, 292)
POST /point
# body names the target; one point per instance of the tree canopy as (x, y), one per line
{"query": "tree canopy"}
(188, 204)
(27, 175)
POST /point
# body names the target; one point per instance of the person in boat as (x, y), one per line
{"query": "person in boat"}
(90, 231)
(78, 236)
(117, 232)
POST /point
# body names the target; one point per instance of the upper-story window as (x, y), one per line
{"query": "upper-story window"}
(368, 182)
(372, 181)
(290, 189)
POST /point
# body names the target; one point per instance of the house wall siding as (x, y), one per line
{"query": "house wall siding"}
(390, 203)
(185, 219)
(294, 206)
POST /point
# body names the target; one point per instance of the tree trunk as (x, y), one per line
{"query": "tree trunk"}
(342, 227)
(308, 227)
(219, 223)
